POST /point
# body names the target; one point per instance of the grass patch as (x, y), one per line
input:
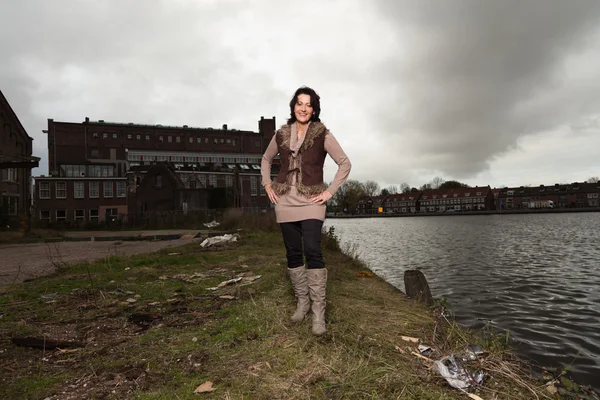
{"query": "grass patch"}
(152, 329)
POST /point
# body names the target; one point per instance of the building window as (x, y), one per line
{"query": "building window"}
(9, 175)
(177, 139)
(215, 141)
(228, 180)
(478, 193)
(94, 190)
(212, 180)
(263, 192)
(121, 188)
(108, 189)
(233, 142)
(78, 190)
(199, 140)
(10, 204)
(105, 135)
(253, 186)
(94, 214)
(169, 139)
(160, 138)
(158, 181)
(202, 179)
(257, 143)
(61, 190)
(101, 170)
(61, 215)
(44, 190)
(138, 137)
(95, 135)
(115, 136)
(45, 215)
(205, 140)
(147, 137)
(191, 139)
(129, 136)
(79, 215)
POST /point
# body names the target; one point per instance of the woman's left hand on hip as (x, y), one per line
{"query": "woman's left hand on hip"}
(321, 198)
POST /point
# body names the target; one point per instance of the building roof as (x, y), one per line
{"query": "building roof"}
(101, 122)
(433, 194)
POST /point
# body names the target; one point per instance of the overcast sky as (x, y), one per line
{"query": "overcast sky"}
(483, 91)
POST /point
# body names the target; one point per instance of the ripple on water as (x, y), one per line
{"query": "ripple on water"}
(533, 275)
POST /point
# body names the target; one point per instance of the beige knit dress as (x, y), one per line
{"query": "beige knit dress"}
(292, 206)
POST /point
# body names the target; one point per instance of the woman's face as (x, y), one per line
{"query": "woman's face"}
(303, 110)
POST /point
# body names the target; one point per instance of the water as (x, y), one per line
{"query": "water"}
(536, 275)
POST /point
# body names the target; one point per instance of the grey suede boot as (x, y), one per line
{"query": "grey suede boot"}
(300, 284)
(317, 283)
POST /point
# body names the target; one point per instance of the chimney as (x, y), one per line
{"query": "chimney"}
(224, 127)
(87, 119)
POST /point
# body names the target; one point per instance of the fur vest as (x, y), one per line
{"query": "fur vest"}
(309, 161)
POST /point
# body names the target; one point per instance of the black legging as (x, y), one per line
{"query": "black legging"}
(293, 233)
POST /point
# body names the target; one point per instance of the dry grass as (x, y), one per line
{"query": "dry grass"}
(245, 346)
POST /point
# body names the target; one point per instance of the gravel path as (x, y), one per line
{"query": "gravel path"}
(23, 261)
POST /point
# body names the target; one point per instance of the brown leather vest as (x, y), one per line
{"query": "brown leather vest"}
(309, 160)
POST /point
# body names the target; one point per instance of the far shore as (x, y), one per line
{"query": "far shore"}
(459, 213)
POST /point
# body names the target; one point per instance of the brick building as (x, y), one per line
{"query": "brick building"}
(573, 195)
(402, 203)
(92, 153)
(16, 162)
(457, 200)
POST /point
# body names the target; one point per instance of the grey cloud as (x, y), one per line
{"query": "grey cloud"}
(465, 67)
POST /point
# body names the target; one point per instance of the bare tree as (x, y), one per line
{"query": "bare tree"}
(392, 189)
(593, 179)
(371, 188)
(404, 187)
(436, 182)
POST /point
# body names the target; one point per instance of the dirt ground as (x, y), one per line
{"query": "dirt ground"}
(19, 262)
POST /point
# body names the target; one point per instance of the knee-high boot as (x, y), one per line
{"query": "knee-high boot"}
(300, 284)
(317, 284)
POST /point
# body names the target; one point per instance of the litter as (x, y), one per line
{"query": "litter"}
(455, 374)
(246, 280)
(425, 350)
(49, 296)
(410, 339)
(211, 241)
(473, 353)
(212, 224)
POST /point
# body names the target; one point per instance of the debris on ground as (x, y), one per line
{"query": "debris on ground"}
(215, 240)
(44, 343)
(365, 274)
(48, 296)
(454, 373)
(410, 339)
(425, 350)
(212, 224)
(188, 278)
(205, 387)
(245, 278)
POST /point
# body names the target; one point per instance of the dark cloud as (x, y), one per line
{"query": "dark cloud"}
(468, 75)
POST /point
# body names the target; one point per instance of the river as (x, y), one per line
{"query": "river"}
(535, 275)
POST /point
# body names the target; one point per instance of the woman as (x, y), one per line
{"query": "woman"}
(300, 194)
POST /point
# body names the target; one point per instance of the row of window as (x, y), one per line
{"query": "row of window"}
(454, 201)
(78, 215)
(10, 175)
(170, 139)
(435, 196)
(98, 171)
(60, 190)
